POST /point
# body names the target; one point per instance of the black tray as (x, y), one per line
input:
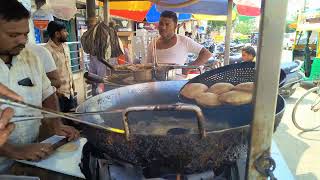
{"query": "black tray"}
(234, 74)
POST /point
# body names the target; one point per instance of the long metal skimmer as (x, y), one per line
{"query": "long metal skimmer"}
(56, 114)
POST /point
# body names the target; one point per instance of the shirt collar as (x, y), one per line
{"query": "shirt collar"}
(14, 59)
(55, 46)
(1, 62)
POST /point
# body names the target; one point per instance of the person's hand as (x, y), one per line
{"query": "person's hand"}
(217, 64)
(5, 127)
(30, 152)
(68, 131)
(4, 91)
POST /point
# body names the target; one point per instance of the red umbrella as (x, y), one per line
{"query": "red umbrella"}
(248, 7)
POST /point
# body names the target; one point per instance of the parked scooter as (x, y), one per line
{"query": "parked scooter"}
(210, 45)
(293, 78)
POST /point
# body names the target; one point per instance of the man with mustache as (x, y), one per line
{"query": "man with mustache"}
(22, 71)
(61, 55)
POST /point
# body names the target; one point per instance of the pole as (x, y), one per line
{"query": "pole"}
(228, 33)
(106, 11)
(272, 27)
(91, 13)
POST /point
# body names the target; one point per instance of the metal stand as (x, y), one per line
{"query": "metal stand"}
(267, 82)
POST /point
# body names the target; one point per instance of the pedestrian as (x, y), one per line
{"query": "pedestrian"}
(61, 54)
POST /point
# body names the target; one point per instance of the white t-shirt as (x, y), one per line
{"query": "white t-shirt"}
(177, 54)
(45, 56)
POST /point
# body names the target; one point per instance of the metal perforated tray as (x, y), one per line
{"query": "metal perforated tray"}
(234, 74)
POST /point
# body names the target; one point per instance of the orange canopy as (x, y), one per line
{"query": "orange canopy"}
(134, 10)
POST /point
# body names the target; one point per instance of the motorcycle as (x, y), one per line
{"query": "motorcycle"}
(210, 45)
(293, 77)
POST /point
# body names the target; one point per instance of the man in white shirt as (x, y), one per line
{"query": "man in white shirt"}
(172, 48)
(22, 71)
(48, 62)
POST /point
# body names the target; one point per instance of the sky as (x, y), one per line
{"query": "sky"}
(293, 7)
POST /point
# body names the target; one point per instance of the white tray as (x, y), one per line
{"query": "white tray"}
(62, 162)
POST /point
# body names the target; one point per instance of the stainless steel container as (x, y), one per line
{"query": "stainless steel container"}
(143, 75)
(166, 74)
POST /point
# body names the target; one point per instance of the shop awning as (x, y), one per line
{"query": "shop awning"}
(209, 7)
(154, 15)
(133, 10)
(217, 7)
(216, 10)
(213, 17)
(138, 10)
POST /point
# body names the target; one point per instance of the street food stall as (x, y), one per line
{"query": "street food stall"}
(151, 130)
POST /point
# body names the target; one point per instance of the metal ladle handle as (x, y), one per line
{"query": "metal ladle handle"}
(170, 107)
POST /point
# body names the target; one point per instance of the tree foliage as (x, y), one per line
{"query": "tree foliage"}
(216, 25)
(245, 27)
